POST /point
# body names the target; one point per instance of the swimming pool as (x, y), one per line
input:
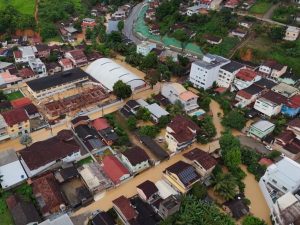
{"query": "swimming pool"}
(197, 113)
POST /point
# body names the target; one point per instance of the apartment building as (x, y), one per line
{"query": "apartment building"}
(227, 73)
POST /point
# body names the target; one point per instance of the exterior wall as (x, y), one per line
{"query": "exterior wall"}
(173, 144)
(175, 182)
(19, 129)
(225, 78)
(267, 107)
(256, 133)
(277, 73)
(137, 168)
(265, 192)
(265, 69)
(121, 216)
(169, 92)
(203, 172)
(141, 194)
(145, 49)
(73, 157)
(295, 130)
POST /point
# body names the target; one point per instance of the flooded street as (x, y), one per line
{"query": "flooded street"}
(259, 207)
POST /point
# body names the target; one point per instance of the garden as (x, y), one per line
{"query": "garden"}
(261, 6)
(14, 95)
(23, 6)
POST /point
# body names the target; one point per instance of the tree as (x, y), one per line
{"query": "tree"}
(143, 114)
(234, 119)
(277, 33)
(131, 123)
(251, 220)
(204, 103)
(232, 157)
(181, 36)
(150, 131)
(25, 139)
(199, 191)
(120, 25)
(226, 186)
(228, 141)
(122, 90)
(3, 97)
(149, 61)
(163, 121)
(88, 34)
(176, 108)
(48, 30)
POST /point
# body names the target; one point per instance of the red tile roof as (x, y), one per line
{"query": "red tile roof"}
(294, 102)
(124, 205)
(21, 102)
(294, 123)
(77, 54)
(286, 136)
(65, 62)
(136, 155)
(274, 97)
(273, 65)
(26, 73)
(148, 188)
(293, 147)
(246, 74)
(100, 124)
(114, 168)
(202, 157)
(244, 94)
(47, 188)
(15, 116)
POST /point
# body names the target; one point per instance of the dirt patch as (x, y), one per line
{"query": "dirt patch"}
(248, 55)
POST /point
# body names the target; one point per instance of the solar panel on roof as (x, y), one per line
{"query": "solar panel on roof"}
(187, 175)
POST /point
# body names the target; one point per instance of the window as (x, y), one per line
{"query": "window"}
(284, 188)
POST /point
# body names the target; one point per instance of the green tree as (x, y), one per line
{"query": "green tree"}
(232, 157)
(149, 61)
(176, 108)
(151, 131)
(234, 119)
(131, 123)
(204, 103)
(163, 121)
(3, 97)
(25, 139)
(277, 33)
(181, 36)
(143, 114)
(225, 186)
(120, 25)
(199, 191)
(88, 34)
(48, 30)
(122, 90)
(228, 141)
(251, 220)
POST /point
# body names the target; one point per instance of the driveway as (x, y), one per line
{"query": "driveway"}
(253, 144)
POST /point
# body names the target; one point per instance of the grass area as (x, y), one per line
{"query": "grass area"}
(55, 39)
(85, 161)
(285, 14)
(14, 95)
(225, 47)
(260, 7)
(23, 6)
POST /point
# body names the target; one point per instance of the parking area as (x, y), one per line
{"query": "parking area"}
(253, 144)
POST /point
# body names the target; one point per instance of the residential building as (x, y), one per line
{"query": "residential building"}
(24, 54)
(41, 155)
(26, 73)
(231, 4)
(114, 169)
(20, 102)
(227, 73)
(211, 39)
(272, 69)
(145, 47)
(248, 95)
(22, 211)
(270, 103)
(288, 144)
(165, 190)
(147, 191)
(11, 170)
(77, 57)
(294, 125)
(3, 129)
(246, 24)
(66, 64)
(182, 176)
(265, 83)
(156, 111)
(43, 50)
(261, 129)
(201, 160)
(288, 77)
(5, 65)
(292, 107)
(280, 178)
(286, 209)
(205, 72)
(237, 207)
(50, 85)
(53, 68)
(102, 218)
(125, 210)
(285, 90)
(63, 219)
(180, 133)
(193, 10)
(175, 92)
(291, 33)
(48, 196)
(88, 23)
(244, 78)
(119, 15)
(38, 67)
(135, 159)
(17, 121)
(238, 32)
(106, 132)
(130, 108)
(68, 33)
(7, 79)
(168, 207)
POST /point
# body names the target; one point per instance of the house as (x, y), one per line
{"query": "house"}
(41, 155)
(50, 85)
(7, 79)
(288, 144)
(66, 64)
(20, 102)
(265, 83)
(201, 160)
(135, 159)
(147, 191)
(193, 10)
(24, 54)
(119, 15)
(238, 32)
(165, 190)
(125, 210)
(246, 24)
(47, 193)
(88, 23)
(280, 178)
(62, 219)
(22, 211)
(77, 57)
(155, 148)
(79, 120)
(130, 108)
(38, 67)
(285, 90)
(180, 133)
(227, 73)
(286, 209)
(292, 107)
(114, 169)
(231, 4)
(205, 72)
(260, 129)
(291, 33)
(3, 129)
(273, 69)
(244, 78)
(237, 207)
(294, 125)
(211, 39)
(182, 176)
(169, 206)
(68, 33)
(270, 103)
(53, 68)
(26, 73)
(42, 50)
(175, 92)
(4, 66)
(289, 78)
(145, 47)
(11, 170)
(248, 95)
(17, 121)
(106, 132)
(94, 177)
(102, 218)
(156, 111)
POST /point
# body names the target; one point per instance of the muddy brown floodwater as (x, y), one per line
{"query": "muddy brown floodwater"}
(258, 207)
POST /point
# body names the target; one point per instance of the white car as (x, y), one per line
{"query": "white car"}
(269, 147)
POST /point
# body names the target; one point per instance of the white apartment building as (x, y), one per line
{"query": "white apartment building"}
(24, 54)
(272, 69)
(206, 71)
(145, 47)
(227, 73)
(38, 67)
(244, 78)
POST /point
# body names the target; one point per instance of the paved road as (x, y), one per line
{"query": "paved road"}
(269, 13)
(253, 144)
(261, 19)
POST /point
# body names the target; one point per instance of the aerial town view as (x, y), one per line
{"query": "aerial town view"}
(149, 112)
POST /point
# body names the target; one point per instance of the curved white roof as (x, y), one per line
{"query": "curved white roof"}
(107, 72)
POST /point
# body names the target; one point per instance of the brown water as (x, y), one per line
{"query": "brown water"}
(258, 207)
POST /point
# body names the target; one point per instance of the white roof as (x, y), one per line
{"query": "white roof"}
(27, 50)
(142, 102)
(62, 220)
(89, 178)
(164, 189)
(263, 125)
(156, 110)
(178, 87)
(286, 200)
(4, 64)
(107, 72)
